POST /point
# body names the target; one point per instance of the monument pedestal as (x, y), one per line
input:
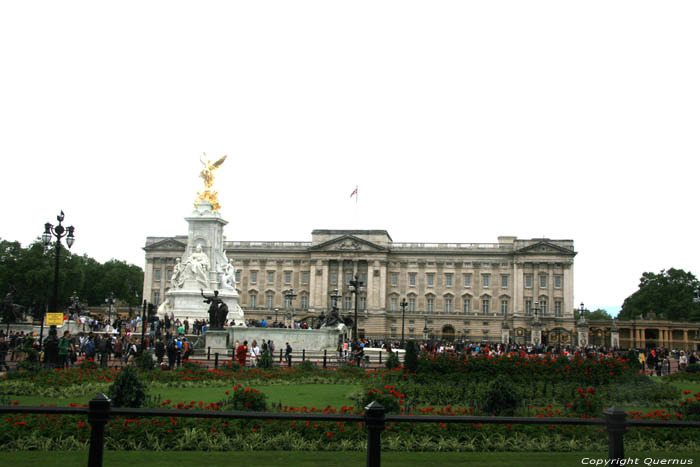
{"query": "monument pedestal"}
(217, 341)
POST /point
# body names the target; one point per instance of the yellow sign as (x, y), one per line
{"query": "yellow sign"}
(54, 319)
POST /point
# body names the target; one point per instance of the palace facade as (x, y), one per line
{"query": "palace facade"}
(516, 289)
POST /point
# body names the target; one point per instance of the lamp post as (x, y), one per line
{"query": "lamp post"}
(110, 301)
(289, 296)
(51, 231)
(426, 330)
(335, 296)
(403, 306)
(356, 286)
(276, 310)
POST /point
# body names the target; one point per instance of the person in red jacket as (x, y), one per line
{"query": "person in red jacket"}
(242, 353)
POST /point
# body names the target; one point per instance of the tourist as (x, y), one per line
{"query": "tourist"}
(288, 354)
(160, 350)
(4, 348)
(64, 350)
(254, 353)
(242, 353)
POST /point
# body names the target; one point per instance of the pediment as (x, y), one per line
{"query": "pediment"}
(167, 244)
(544, 247)
(348, 243)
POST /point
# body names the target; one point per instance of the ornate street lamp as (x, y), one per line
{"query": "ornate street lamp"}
(356, 287)
(58, 232)
(403, 306)
(335, 296)
(110, 301)
(426, 330)
(289, 297)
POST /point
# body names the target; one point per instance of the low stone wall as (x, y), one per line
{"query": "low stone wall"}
(299, 339)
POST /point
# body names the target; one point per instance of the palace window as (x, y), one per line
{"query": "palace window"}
(543, 307)
(485, 305)
(304, 302)
(348, 278)
(411, 304)
(394, 303)
(363, 303)
(429, 305)
(334, 278)
(557, 281)
(394, 279)
(363, 278)
(504, 281)
(157, 274)
(287, 277)
(412, 279)
(557, 308)
(485, 280)
(169, 274)
(504, 307)
(528, 281)
(156, 297)
(448, 280)
(543, 281)
(270, 277)
(270, 300)
(467, 280)
(528, 307)
(448, 305)
(238, 276)
(430, 279)
(467, 305)
(253, 300)
(348, 303)
(253, 277)
(305, 277)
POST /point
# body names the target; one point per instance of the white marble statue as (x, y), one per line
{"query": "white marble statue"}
(164, 308)
(228, 277)
(197, 266)
(178, 278)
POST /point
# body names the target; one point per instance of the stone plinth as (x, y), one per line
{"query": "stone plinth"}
(299, 339)
(218, 341)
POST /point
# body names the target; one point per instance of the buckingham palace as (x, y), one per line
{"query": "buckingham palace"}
(481, 292)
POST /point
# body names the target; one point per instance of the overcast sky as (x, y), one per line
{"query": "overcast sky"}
(459, 121)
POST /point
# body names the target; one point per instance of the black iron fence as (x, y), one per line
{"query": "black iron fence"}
(99, 411)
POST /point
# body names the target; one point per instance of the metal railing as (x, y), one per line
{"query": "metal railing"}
(99, 411)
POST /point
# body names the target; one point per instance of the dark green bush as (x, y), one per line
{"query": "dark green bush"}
(128, 390)
(392, 361)
(265, 360)
(144, 361)
(307, 365)
(410, 359)
(245, 399)
(500, 397)
(694, 368)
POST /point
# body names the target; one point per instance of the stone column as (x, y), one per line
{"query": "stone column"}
(381, 304)
(568, 290)
(324, 288)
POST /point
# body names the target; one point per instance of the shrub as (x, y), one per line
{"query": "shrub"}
(387, 396)
(500, 397)
(128, 390)
(245, 399)
(410, 359)
(87, 364)
(233, 365)
(307, 365)
(265, 360)
(690, 406)
(586, 402)
(144, 361)
(392, 361)
(694, 368)
(190, 365)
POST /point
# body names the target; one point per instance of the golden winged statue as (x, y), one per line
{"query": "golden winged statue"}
(207, 174)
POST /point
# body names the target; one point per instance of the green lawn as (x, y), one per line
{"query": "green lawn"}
(318, 395)
(327, 459)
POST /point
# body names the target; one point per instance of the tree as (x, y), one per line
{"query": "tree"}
(669, 295)
(31, 271)
(598, 314)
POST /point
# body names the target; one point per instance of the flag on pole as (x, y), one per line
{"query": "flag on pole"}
(354, 193)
